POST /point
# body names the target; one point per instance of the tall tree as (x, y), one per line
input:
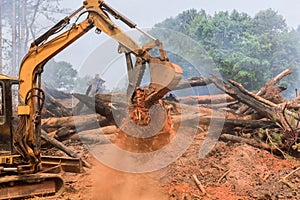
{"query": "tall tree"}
(59, 74)
(23, 29)
(14, 38)
(22, 17)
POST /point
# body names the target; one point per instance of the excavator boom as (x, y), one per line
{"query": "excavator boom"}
(164, 75)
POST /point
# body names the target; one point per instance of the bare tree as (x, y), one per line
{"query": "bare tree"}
(21, 24)
(23, 29)
(14, 38)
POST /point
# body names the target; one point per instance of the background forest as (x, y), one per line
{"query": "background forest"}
(247, 49)
(250, 50)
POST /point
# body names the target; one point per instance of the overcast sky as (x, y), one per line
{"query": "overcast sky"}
(147, 13)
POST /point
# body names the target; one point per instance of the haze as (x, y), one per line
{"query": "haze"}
(148, 13)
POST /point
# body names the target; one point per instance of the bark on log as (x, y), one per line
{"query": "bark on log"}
(97, 104)
(79, 106)
(94, 133)
(261, 105)
(53, 108)
(88, 138)
(206, 99)
(62, 147)
(193, 82)
(72, 121)
(106, 130)
(62, 128)
(65, 133)
(228, 123)
(112, 106)
(102, 102)
(263, 90)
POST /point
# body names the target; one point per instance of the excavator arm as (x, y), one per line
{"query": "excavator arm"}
(31, 97)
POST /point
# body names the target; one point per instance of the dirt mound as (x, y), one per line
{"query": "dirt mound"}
(233, 171)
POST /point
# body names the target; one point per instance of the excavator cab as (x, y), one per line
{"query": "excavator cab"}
(6, 114)
(13, 171)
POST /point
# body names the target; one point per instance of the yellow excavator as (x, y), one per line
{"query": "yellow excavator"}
(22, 171)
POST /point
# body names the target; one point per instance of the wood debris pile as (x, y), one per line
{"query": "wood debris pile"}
(263, 119)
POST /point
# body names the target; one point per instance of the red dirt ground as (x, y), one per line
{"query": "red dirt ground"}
(230, 171)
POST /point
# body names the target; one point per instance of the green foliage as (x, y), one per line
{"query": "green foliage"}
(59, 75)
(250, 50)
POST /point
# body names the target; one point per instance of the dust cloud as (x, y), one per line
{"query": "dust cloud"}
(110, 184)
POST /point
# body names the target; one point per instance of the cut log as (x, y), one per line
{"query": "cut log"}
(79, 106)
(112, 106)
(193, 82)
(52, 108)
(206, 99)
(266, 108)
(72, 121)
(62, 147)
(62, 128)
(103, 130)
(92, 138)
(264, 89)
(98, 104)
(92, 133)
(104, 104)
(228, 123)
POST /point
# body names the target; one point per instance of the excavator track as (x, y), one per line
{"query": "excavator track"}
(23, 186)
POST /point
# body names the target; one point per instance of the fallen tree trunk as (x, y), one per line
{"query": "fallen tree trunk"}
(79, 106)
(61, 128)
(266, 108)
(206, 99)
(101, 106)
(193, 82)
(72, 121)
(62, 147)
(103, 103)
(92, 138)
(228, 123)
(53, 108)
(264, 89)
(106, 130)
